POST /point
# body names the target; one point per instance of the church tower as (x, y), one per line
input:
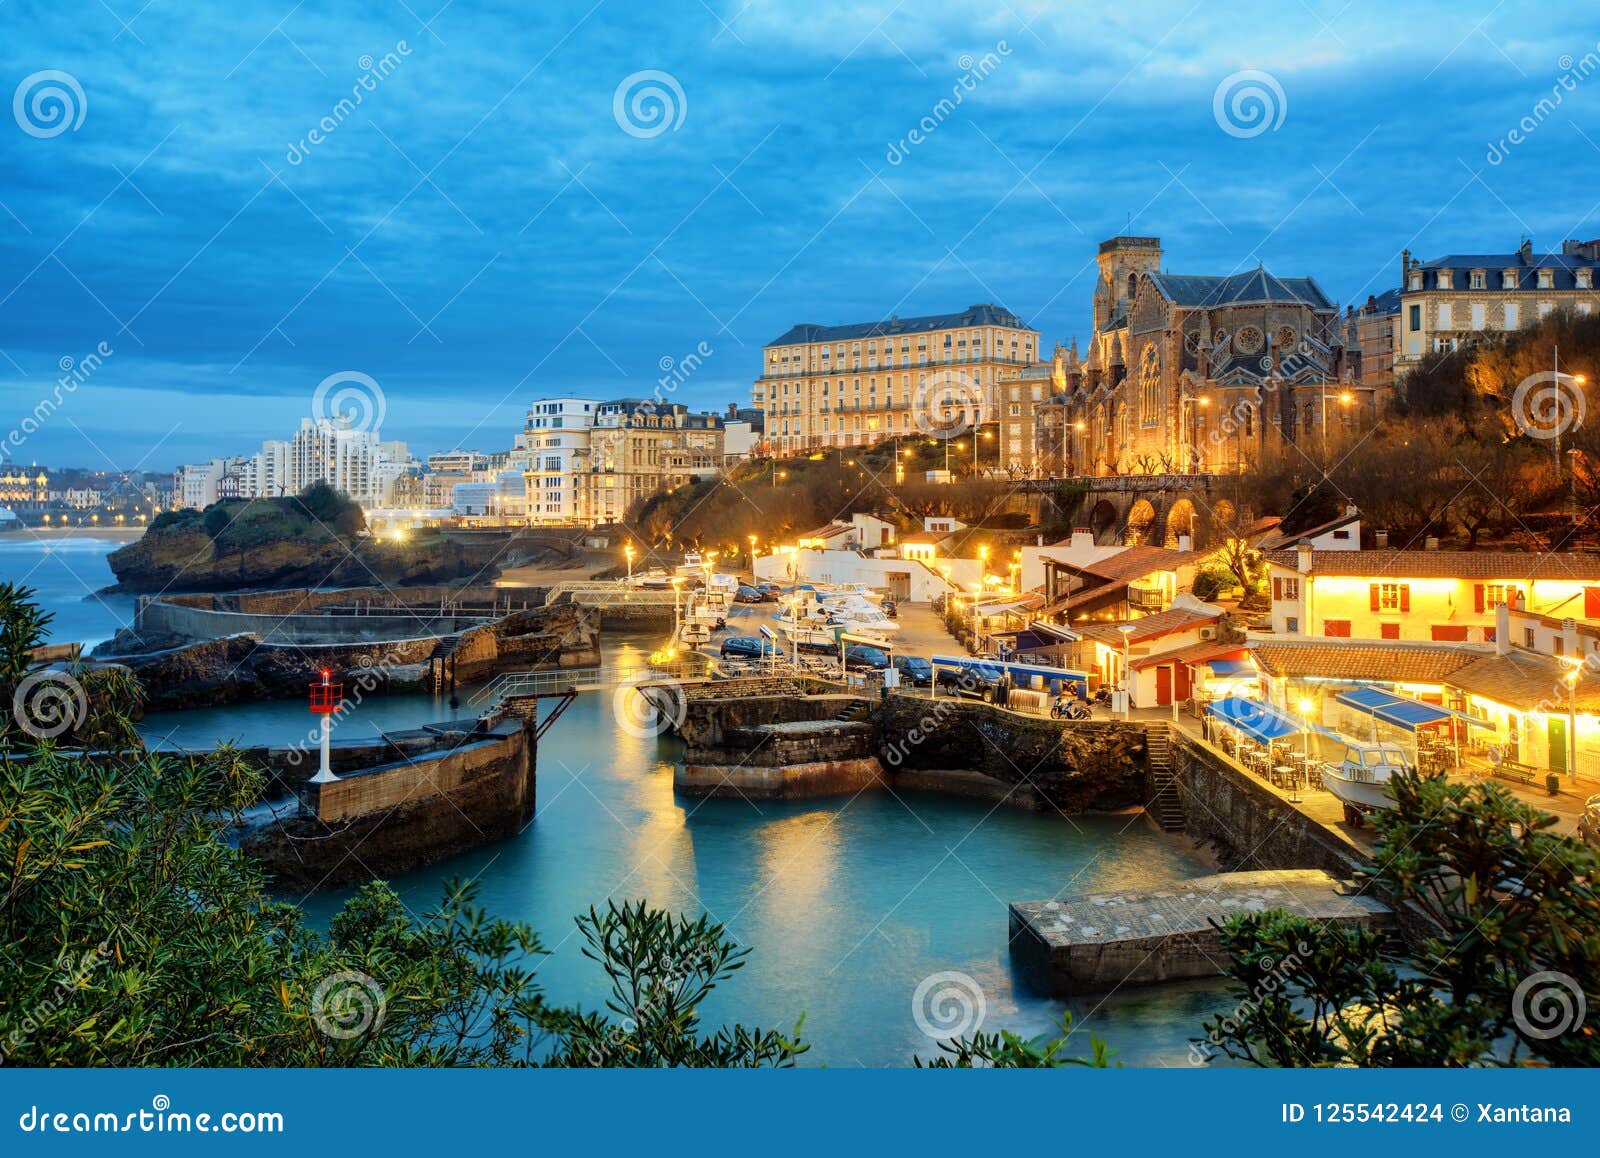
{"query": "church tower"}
(1122, 260)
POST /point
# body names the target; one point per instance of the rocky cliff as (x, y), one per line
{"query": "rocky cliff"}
(184, 557)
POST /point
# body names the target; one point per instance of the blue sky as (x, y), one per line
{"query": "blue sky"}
(483, 229)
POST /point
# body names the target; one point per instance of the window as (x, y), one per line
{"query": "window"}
(1336, 628)
(1286, 588)
(1479, 312)
(1445, 316)
(1478, 279)
(1390, 596)
(1512, 321)
(1416, 318)
(1291, 625)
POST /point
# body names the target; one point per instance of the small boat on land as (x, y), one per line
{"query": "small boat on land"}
(1361, 780)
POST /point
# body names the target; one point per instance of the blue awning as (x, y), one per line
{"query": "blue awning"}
(1399, 711)
(1257, 719)
(1231, 668)
(991, 669)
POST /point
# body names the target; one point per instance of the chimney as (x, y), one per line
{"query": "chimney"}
(1569, 630)
(1525, 251)
(1502, 629)
(1380, 540)
(1185, 543)
(1405, 266)
(1431, 543)
(1303, 558)
(1082, 538)
(1351, 510)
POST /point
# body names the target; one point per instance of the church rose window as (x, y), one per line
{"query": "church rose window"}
(1248, 340)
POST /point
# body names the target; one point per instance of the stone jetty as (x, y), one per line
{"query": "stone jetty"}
(1092, 943)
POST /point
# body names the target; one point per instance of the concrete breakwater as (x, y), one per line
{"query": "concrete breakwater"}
(796, 745)
(1086, 944)
(465, 787)
(242, 668)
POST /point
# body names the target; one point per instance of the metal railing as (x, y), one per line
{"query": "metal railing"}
(558, 681)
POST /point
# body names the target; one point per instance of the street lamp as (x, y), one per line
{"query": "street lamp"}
(628, 551)
(1127, 673)
(1577, 380)
(752, 539)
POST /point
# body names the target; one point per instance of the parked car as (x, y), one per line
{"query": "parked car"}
(748, 647)
(914, 671)
(967, 683)
(861, 657)
(748, 595)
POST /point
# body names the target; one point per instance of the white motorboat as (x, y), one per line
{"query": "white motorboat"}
(1361, 779)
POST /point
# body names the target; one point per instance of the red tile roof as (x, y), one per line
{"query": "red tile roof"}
(1150, 627)
(1447, 564)
(1133, 563)
(1527, 681)
(1379, 662)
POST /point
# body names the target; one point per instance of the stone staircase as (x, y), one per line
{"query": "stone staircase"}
(1166, 806)
(853, 712)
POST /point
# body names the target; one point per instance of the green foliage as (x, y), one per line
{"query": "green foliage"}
(1506, 900)
(133, 934)
(175, 520)
(1006, 1050)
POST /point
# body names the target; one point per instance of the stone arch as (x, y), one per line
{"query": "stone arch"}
(1103, 520)
(1182, 519)
(1142, 522)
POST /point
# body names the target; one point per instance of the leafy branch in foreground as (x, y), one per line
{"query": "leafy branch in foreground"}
(1006, 1050)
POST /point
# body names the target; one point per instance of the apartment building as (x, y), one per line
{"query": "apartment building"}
(1437, 596)
(1463, 299)
(329, 450)
(858, 384)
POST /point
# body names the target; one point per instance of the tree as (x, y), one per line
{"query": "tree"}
(1509, 965)
(135, 935)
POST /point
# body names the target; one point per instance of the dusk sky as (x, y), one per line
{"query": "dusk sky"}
(495, 222)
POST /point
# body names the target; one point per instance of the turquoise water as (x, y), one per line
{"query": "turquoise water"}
(848, 904)
(65, 574)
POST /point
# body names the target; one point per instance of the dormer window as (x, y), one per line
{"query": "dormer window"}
(1547, 279)
(1416, 281)
(1445, 279)
(1508, 279)
(1479, 279)
(1586, 279)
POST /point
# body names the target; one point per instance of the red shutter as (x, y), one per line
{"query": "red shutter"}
(1405, 597)
(1477, 598)
(1591, 602)
(1277, 588)
(1373, 591)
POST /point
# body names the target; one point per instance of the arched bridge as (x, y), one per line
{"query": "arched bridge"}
(1136, 509)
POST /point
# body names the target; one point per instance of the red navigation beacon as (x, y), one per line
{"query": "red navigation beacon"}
(326, 696)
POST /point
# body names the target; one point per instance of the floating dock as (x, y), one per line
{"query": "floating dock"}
(1093, 943)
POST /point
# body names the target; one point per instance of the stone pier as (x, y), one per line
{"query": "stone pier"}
(1089, 944)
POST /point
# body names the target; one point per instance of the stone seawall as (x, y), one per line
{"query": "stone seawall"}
(1251, 823)
(962, 747)
(396, 817)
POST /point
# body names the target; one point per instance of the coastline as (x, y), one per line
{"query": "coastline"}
(46, 534)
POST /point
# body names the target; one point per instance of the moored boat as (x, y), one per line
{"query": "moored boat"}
(1361, 780)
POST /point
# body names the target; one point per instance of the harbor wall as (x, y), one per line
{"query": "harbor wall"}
(1251, 823)
(395, 817)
